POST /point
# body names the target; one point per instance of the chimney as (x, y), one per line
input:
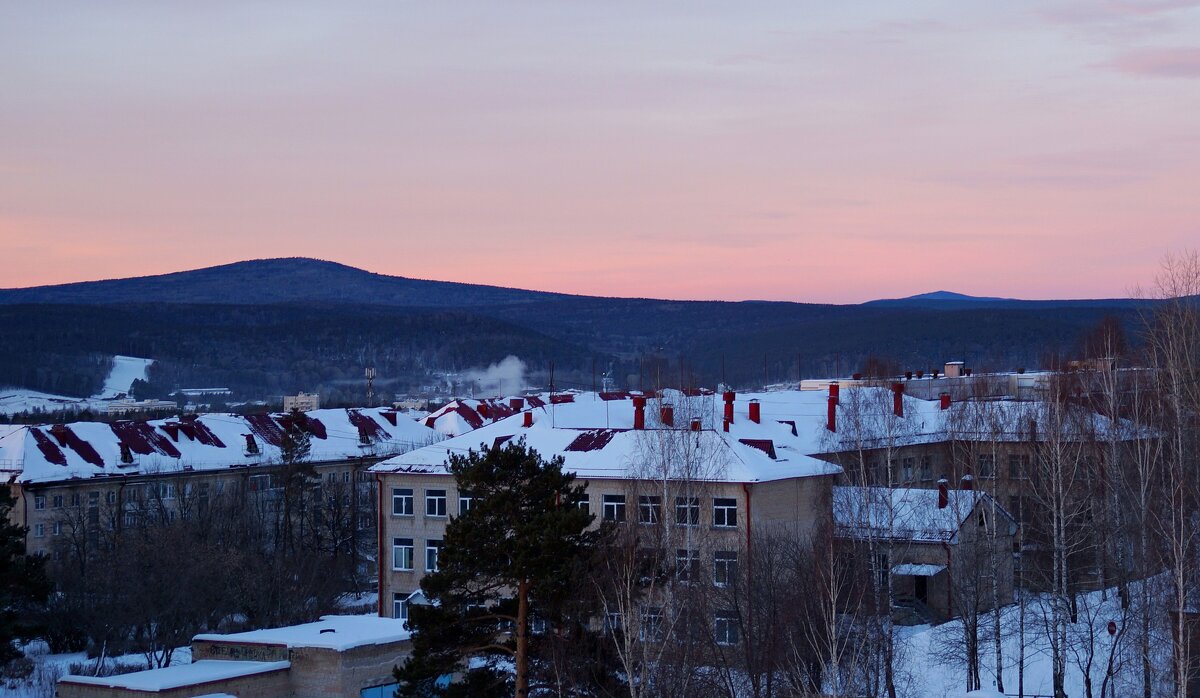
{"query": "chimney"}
(834, 390)
(943, 493)
(725, 424)
(898, 399)
(517, 404)
(695, 425)
(968, 482)
(528, 419)
(920, 374)
(639, 412)
(755, 411)
(945, 400)
(831, 422)
(908, 375)
(966, 372)
(667, 412)
(857, 376)
(729, 396)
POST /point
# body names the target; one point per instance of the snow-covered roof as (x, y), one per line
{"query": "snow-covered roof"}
(907, 513)
(915, 570)
(595, 436)
(50, 453)
(180, 675)
(337, 633)
(460, 416)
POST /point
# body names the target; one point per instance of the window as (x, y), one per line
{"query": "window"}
(260, 483)
(725, 629)
(167, 491)
(584, 502)
(39, 530)
(110, 497)
(926, 468)
(76, 499)
(39, 501)
(687, 565)
(724, 568)
(1018, 466)
(465, 500)
(56, 529)
(652, 625)
(432, 548)
(987, 465)
(649, 509)
(402, 554)
(614, 507)
(399, 605)
(402, 501)
(346, 476)
(435, 503)
(612, 621)
(130, 519)
(724, 511)
(538, 625)
(687, 511)
(906, 465)
(58, 501)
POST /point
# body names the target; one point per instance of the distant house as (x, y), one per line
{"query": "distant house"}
(941, 548)
(305, 402)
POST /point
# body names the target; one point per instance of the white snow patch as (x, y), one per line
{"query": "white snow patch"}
(125, 370)
(179, 676)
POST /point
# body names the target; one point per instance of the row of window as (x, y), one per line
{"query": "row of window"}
(687, 509)
(725, 622)
(403, 554)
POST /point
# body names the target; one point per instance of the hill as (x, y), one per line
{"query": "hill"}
(269, 281)
(267, 327)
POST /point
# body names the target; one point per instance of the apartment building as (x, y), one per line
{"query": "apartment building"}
(85, 475)
(715, 469)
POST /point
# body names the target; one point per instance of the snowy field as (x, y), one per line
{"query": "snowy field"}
(125, 370)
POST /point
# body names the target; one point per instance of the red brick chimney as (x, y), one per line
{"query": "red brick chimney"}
(834, 390)
(898, 399)
(528, 419)
(945, 400)
(639, 411)
(831, 421)
(968, 482)
(516, 403)
(729, 396)
(755, 412)
(695, 425)
(943, 493)
(667, 412)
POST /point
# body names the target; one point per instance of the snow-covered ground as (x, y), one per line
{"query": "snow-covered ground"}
(49, 668)
(125, 370)
(932, 665)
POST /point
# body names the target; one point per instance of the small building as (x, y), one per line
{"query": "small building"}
(945, 551)
(305, 402)
(350, 656)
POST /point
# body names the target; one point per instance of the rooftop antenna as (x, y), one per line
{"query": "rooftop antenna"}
(370, 374)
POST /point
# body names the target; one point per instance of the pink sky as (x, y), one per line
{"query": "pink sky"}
(803, 151)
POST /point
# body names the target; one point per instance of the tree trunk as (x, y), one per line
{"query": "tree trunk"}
(522, 653)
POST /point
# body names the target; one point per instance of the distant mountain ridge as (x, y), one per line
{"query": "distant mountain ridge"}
(266, 327)
(269, 281)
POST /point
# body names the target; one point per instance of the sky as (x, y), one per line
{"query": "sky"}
(808, 151)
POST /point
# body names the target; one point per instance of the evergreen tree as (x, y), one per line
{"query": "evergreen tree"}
(23, 582)
(512, 557)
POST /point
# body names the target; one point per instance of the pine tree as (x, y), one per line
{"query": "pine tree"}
(516, 554)
(23, 581)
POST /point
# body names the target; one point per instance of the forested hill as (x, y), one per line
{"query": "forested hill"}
(268, 327)
(267, 281)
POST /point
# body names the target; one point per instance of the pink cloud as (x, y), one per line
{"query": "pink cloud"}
(1167, 63)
